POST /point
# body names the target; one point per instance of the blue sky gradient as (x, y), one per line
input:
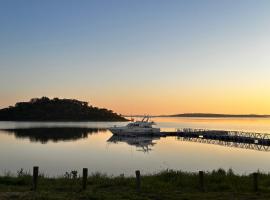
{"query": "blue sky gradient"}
(138, 56)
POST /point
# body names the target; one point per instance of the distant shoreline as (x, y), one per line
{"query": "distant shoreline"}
(208, 115)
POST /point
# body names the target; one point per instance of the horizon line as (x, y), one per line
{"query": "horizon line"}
(198, 113)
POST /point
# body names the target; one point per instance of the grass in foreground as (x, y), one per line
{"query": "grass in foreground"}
(164, 185)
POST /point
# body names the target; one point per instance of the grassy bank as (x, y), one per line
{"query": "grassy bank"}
(164, 185)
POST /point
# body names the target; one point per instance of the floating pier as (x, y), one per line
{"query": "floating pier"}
(227, 136)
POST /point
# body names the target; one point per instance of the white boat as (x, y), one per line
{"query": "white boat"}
(143, 127)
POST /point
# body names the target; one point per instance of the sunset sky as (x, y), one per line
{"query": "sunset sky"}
(140, 56)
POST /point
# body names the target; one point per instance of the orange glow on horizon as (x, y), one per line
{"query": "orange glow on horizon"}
(160, 101)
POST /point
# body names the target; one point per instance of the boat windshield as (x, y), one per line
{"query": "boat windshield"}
(133, 125)
(140, 124)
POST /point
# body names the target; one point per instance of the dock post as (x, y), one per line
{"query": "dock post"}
(138, 180)
(201, 180)
(85, 175)
(35, 177)
(255, 182)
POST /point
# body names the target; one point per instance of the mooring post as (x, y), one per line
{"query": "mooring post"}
(201, 181)
(35, 177)
(138, 180)
(255, 181)
(85, 175)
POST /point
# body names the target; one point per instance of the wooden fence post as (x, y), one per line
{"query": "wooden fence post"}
(35, 177)
(85, 175)
(138, 180)
(201, 181)
(255, 182)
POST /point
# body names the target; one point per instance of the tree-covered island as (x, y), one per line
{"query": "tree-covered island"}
(46, 109)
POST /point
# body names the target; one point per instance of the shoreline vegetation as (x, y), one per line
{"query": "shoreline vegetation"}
(168, 184)
(45, 109)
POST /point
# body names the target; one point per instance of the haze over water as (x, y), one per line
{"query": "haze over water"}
(66, 148)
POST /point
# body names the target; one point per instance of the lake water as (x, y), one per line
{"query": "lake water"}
(60, 147)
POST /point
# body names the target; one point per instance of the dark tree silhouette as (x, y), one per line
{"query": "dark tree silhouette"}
(45, 109)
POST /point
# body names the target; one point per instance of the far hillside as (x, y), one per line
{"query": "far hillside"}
(216, 115)
(45, 109)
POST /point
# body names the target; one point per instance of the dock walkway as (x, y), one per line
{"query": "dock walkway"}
(229, 136)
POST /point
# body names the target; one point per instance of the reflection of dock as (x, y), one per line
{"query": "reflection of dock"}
(227, 144)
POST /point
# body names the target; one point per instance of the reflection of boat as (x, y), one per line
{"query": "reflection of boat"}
(143, 127)
(142, 142)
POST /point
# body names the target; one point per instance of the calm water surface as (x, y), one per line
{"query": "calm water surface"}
(61, 147)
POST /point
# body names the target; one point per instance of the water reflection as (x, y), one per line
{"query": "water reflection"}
(44, 135)
(231, 144)
(142, 143)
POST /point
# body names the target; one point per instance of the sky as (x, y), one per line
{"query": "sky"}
(138, 56)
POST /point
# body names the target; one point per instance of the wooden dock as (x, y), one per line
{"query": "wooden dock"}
(228, 136)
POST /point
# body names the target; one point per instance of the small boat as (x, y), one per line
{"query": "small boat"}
(138, 128)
